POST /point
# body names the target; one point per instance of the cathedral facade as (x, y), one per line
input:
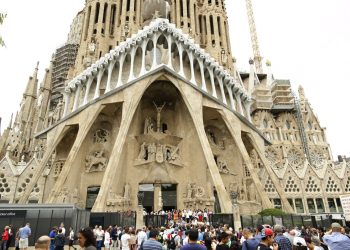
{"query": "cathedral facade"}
(144, 105)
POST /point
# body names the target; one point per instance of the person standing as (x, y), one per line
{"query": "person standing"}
(141, 237)
(335, 240)
(43, 243)
(114, 237)
(86, 239)
(63, 229)
(267, 240)
(71, 238)
(192, 242)
(59, 240)
(4, 238)
(125, 239)
(224, 239)
(52, 235)
(151, 243)
(282, 241)
(99, 237)
(10, 237)
(250, 242)
(107, 241)
(24, 234)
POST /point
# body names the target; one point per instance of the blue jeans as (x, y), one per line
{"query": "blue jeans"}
(98, 244)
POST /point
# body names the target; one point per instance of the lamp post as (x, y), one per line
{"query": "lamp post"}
(235, 211)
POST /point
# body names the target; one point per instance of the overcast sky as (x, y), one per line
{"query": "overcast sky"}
(306, 41)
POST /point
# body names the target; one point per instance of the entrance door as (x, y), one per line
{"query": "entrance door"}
(146, 194)
(169, 196)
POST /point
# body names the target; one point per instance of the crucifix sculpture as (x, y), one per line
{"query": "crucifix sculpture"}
(159, 110)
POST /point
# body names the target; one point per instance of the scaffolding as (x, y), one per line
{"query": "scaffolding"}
(300, 122)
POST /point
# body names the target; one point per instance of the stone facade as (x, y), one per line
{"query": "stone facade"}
(154, 99)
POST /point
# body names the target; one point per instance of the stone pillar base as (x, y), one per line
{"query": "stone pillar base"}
(139, 217)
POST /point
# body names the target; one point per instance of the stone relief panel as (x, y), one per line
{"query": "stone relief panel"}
(156, 143)
(101, 136)
(96, 161)
(216, 138)
(274, 158)
(223, 167)
(255, 159)
(116, 201)
(196, 196)
(70, 196)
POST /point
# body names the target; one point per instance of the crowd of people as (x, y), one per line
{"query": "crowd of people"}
(188, 236)
(185, 215)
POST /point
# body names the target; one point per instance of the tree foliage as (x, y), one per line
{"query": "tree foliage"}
(272, 212)
(2, 18)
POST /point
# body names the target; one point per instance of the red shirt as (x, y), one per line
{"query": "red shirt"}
(5, 235)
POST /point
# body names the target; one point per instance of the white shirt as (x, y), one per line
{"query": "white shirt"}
(125, 241)
(99, 235)
(185, 242)
(141, 236)
(107, 238)
(71, 235)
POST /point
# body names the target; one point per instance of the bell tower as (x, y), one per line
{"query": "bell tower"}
(106, 24)
(212, 32)
(109, 22)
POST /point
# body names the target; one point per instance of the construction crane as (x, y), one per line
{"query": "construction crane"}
(254, 37)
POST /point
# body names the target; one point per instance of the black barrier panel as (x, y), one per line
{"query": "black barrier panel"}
(107, 219)
(156, 220)
(221, 219)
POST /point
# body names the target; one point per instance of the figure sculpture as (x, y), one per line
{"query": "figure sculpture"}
(95, 162)
(160, 8)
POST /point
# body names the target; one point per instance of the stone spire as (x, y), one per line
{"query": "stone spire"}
(251, 83)
(29, 96)
(44, 99)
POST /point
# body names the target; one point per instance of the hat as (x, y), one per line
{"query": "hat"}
(335, 225)
(266, 232)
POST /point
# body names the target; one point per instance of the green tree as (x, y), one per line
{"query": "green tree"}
(2, 18)
(272, 211)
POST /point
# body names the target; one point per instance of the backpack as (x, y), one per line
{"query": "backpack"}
(171, 243)
(160, 238)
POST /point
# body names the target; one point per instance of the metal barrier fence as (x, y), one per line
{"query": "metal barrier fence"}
(286, 220)
(162, 220)
(42, 218)
(116, 218)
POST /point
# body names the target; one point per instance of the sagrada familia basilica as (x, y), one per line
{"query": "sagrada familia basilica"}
(144, 105)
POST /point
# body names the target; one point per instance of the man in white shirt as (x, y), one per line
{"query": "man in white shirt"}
(125, 240)
(141, 236)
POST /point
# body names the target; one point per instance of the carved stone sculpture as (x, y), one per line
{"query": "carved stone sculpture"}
(222, 166)
(101, 136)
(161, 7)
(195, 197)
(96, 162)
(118, 201)
(149, 126)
